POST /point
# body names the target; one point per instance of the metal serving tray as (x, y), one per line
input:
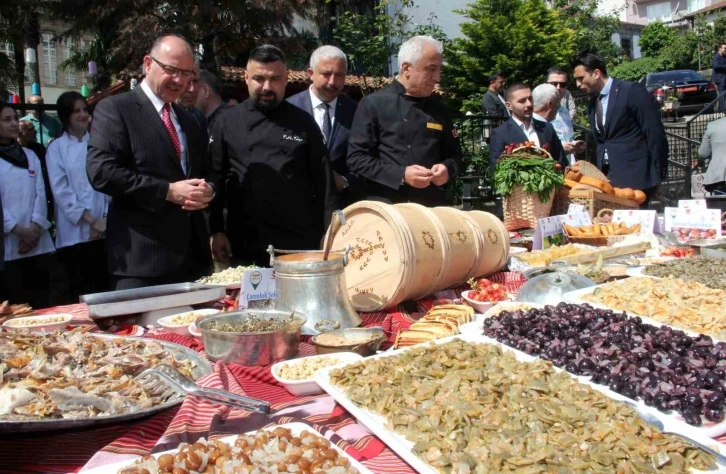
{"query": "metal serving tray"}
(202, 367)
(151, 298)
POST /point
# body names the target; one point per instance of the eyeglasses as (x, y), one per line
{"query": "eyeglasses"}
(173, 70)
(558, 84)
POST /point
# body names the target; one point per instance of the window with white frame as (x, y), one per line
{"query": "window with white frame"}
(68, 47)
(50, 61)
(659, 11)
(694, 5)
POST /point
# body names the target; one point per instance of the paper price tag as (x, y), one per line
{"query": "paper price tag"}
(549, 232)
(692, 204)
(693, 224)
(648, 220)
(577, 216)
(257, 285)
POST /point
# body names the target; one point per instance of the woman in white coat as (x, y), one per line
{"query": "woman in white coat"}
(80, 211)
(28, 245)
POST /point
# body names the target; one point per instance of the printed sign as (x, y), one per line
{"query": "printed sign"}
(692, 204)
(693, 224)
(257, 285)
(648, 220)
(577, 216)
(549, 232)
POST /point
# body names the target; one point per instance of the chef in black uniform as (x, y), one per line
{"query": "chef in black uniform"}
(403, 141)
(279, 185)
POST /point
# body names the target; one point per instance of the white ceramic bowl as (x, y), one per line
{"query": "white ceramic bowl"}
(481, 306)
(308, 386)
(183, 329)
(39, 323)
(516, 250)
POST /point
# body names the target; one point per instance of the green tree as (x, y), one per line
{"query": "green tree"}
(655, 37)
(521, 38)
(637, 69)
(370, 40)
(592, 32)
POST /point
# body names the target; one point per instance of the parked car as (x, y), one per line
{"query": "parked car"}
(693, 90)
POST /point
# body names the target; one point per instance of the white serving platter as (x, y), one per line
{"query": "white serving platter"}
(295, 428)
(404, 447)
(308, 386)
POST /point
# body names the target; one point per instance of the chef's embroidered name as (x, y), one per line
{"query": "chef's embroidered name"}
(292, 137)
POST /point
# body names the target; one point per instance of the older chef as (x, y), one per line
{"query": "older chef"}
(80, 211)
(25, 223)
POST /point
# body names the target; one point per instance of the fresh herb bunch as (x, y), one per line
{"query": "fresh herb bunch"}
(529, 166)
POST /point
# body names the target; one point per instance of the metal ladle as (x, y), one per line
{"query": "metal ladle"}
(336, 222)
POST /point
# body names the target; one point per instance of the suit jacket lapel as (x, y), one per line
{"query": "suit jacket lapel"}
(539, 128)
(612, 103)
(517, 130)
(339, 111)
(151, 116)
(186, 126)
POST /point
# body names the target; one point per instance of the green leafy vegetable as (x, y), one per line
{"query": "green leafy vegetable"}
(537, 175)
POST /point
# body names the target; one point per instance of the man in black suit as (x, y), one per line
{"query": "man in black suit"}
(493, 103)
(631, 142)
(188, 99)
(522, 128)
(209, 98)
(149, 155)
(333, 112)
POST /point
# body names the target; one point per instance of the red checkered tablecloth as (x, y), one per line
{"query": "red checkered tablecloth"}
(73, 451)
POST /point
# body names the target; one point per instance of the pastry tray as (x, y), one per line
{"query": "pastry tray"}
(404, 447)
(150, 298)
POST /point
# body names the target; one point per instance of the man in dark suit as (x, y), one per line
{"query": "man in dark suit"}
(188, 99)
(522, 128)
(719, 74)
(631, 141)
(150, 156)
(333, 112)
(493, 103)
(209, 98)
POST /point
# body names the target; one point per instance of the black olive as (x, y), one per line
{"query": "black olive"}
(716, 416)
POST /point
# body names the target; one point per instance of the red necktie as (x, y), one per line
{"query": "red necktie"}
(166, 118)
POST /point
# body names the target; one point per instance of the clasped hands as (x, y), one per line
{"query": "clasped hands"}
(190, 194)
(29, 237)
(421, 177)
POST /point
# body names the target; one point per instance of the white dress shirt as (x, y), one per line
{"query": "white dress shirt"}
(530, 132)
(23, 195)
(319, 110)
(159, 105)
(66, 162)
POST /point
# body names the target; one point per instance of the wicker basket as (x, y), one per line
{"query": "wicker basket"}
(522, 210)
(598, 241)
(593, 202)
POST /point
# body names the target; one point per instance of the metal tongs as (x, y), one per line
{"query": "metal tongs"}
(173, 385)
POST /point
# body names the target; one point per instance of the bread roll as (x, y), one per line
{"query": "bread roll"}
(639, 196)
(608, 189)
(570, 183)
(595, 183)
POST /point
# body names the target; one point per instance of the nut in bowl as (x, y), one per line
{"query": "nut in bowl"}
(362, 341)
(180, 323)
(298, 375)
(42, 323)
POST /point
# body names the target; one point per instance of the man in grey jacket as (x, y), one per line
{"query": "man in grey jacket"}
(713, 146)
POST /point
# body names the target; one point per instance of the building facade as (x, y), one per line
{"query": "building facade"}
(53, 49)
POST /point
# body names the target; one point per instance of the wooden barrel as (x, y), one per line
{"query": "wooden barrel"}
(494, 243)
(391, 259)
(464, 246)
(431, 249)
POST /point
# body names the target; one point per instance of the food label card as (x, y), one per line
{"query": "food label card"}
(692, 204)
(648, 220)
(693, 224)
(577, 216)
(257, 286)
(549, 232)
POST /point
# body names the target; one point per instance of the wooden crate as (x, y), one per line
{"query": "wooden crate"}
(592, 200)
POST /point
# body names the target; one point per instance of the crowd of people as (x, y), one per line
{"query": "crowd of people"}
(172, 179)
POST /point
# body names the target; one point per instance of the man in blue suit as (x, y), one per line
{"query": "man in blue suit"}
(719, 74)
(521, 127)
(631, 141)
(333, 112)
